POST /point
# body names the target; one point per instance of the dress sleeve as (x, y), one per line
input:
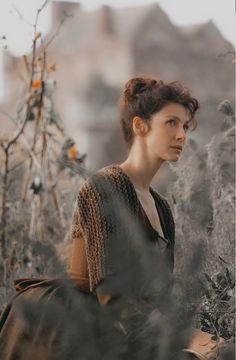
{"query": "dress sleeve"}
(86, 225)
(78, 270)
(94, 220)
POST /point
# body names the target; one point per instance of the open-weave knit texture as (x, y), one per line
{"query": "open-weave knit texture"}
(107, 212)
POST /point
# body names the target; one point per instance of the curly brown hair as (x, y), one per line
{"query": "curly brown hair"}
(145, 96)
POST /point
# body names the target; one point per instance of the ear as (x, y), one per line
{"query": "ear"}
(140, 127)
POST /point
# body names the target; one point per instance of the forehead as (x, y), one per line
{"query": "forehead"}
(174, 110)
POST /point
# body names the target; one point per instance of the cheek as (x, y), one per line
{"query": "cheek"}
(159, 139)
(156, 132)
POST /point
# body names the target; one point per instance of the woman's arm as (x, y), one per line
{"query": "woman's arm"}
(94, 231)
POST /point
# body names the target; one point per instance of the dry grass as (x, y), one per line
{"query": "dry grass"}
(42, 166)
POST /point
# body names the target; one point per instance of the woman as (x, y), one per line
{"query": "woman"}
(123, 231)
(123, 240)
(155, 117)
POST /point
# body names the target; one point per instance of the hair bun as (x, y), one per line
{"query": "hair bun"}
(137, 86)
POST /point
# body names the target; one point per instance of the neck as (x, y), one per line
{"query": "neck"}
(141, 168)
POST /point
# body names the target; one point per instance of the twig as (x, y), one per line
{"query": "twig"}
(225, 262)
(4, 199)
(38, 114)
(44, 139)
(61, 130)
(21, 16)
(7, 145)
(6, 149)
(53, 194)
(22, 137)
(11, 142)
(9, 184)
(48, 43)
(56, 32)
(26, 64)
(229, 52)
(19, 164)
(21, 77)
(37, 14)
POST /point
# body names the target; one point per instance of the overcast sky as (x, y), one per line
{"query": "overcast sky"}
(17, 18)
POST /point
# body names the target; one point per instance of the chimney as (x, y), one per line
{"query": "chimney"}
(106, 25)
(62, 8)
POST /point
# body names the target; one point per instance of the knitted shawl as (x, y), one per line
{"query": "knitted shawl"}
(107, 215)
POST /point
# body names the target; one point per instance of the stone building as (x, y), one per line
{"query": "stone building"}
(97, 51)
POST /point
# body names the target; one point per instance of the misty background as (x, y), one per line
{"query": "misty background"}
(97, 51)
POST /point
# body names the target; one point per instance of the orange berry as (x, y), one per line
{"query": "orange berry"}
(51, 67)
(37, 35)
(36, 84)
(72, 153)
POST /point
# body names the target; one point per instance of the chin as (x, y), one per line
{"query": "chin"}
(173, 158)
(169, 157)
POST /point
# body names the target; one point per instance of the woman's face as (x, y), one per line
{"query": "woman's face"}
(167, 129)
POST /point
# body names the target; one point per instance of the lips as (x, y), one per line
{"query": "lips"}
(177, 147)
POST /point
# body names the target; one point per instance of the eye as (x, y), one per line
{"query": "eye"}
(171, 121)
(186, 127)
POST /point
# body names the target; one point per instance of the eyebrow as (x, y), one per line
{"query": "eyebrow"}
(177, 118)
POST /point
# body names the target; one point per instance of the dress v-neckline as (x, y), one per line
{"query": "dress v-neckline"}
(164, 238)
(152, 192)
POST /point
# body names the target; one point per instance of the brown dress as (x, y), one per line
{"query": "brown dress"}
(109, 224)
(115, 249)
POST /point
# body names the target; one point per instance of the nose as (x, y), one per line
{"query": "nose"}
(180, 135)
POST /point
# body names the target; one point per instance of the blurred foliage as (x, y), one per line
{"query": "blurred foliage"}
(42, 172)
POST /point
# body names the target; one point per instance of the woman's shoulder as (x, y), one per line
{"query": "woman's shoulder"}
(113, 173)
(109, 176)
(110, 181)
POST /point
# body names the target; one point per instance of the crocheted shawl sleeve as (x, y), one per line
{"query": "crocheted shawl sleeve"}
(102, 206)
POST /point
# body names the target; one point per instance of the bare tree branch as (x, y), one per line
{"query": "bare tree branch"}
(229, 52)
(38, 13)
(26, 64)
